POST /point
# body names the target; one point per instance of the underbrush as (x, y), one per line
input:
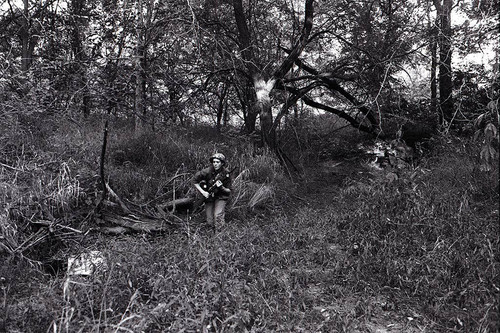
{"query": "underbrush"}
(50, 189)
(423, 246)
(161, 165)
(421, 249)
(432, 238)
(320, 137)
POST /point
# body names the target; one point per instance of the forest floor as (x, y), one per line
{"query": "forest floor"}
(322, 182)
(305, 266)
(321, 188)
(309, 264)
(304, 269)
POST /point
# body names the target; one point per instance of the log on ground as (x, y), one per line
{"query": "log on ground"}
(137, 223)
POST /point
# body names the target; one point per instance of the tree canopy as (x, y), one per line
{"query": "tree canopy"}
(247, 63)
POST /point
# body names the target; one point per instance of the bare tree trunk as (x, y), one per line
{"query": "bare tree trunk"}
(221, 106)
(111, 69)
(433, 32)
(139, 71)
(80, 57)
(25, 38)
(102, 160)
(139, 92)
(246, 95)
(264, 86)
(445, 55)
(252, 112)
(433, 47)
(245, 46)
(263, 89)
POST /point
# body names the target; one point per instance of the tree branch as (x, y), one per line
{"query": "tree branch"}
(301, 43)
(334, 85)
(244, 36)
(339, 113)
(297, 94)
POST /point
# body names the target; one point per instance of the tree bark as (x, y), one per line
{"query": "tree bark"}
(139, 70)
(221, 106)
(24, 34)
(80, 56)
(434, 75)
(263, 89)
(102, 161)
(264, 85)
(244, 40)
(137, 223)
(28, 41)
(252, 113)
(445, 55)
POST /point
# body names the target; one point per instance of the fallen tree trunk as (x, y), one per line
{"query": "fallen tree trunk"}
(52, 225)
(116, 218)
(177, 203)
(117, 230)
(135, 223)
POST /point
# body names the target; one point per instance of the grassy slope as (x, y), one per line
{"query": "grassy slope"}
(345, 250)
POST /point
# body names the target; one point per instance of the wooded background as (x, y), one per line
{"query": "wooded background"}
(255, 64)
(109, 107)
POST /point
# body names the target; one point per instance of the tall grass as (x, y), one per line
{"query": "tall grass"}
(433, 237)
(424, 246)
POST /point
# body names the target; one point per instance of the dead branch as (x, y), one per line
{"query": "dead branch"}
(176, 203)
(115, 230)
(53, 224)
(103, 155)
(117, 198)
(10, 167)
(137, 223)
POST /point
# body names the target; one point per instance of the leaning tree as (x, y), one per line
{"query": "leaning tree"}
(338, 57)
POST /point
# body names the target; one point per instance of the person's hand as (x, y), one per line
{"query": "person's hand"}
(218, 183)
(205, 194)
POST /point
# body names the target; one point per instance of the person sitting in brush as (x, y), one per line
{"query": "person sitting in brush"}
(214, 183)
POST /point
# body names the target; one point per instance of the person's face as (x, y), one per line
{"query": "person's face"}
(216, 163)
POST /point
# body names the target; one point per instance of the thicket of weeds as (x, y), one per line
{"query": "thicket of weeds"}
(422, 249)
(51, 186)
(431, 237)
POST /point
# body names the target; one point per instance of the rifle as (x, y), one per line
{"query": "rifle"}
(211, 189)
(220, 176)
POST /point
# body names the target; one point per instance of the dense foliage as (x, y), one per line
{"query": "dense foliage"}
(111, 104)
(182, 62)
(346, 248)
